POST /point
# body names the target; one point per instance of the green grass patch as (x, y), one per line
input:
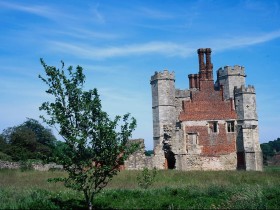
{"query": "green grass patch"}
(171, 190)
(272, 168)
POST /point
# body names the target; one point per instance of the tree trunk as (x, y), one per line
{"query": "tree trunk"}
(89, 205)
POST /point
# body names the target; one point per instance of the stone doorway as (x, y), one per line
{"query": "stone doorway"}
(241, 161)
(170, 159)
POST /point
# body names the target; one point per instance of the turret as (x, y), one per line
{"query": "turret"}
(248, 146)
(163, 103)
(230, 77)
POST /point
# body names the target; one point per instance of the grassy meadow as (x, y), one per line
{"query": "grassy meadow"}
(171, 190)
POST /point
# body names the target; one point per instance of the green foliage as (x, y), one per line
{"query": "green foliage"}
(3, 143)
(149, 152)
(5, 157)
(270, 149)
(27, 165)
(43, 135)
(95, 146)
(146, 178)
(30, 140)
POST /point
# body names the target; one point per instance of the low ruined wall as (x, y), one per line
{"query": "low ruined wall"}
(35, 166)
(138, 160)
(47, 167)
(9, 165)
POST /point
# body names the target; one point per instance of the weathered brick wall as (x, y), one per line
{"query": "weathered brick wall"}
(214, 143)
(207, 104)
(209, 150)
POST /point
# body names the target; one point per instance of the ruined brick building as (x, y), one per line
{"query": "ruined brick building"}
(210, 126)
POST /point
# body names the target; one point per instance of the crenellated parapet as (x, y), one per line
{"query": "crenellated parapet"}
(236, 70)
(243, 89)
(182, 93)
(165, 75)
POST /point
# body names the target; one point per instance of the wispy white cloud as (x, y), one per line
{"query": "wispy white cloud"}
(83, 33)
(154, 13)
(96, 14)
(39, 10)
(106, 69)
(42, 10)
(239, 41)
(163, 48)
(267, 8)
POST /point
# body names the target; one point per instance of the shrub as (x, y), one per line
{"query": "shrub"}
(146, 178)
(26, 165)
(5, 157)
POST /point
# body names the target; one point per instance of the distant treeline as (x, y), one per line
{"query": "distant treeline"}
(270, 149)
(29, 140)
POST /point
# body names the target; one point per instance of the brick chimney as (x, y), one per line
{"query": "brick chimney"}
(209, 65)
(202, 70)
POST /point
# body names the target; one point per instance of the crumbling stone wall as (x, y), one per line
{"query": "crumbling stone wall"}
(9, 165)
(35, 166)
(138, 160)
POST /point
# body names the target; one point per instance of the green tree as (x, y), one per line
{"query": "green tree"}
(95, 146)
(270, 149)
(3, 148)
(43, 135)
(149, 152)
(29, 140)
(3, 143)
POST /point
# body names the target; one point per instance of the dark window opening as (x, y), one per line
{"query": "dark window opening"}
(213, 127)
(230, 126)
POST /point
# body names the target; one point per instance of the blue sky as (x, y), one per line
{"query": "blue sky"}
(121, 43)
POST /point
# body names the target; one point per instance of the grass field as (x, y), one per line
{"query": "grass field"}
(171, 190)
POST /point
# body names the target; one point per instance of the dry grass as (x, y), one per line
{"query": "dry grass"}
(173, 178)
(127, 179)
(30, 179)
(172, 189)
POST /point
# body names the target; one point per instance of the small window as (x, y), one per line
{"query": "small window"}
(230, 126)
(192, 138)
(213, 127)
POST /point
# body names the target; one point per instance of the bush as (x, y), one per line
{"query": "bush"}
(26, 165)
(146, 178)
(5, 157)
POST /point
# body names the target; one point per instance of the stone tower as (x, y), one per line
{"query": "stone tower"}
(232, 81)
(229, 78)
(210, 126)
(164, 117)
(249, 154)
